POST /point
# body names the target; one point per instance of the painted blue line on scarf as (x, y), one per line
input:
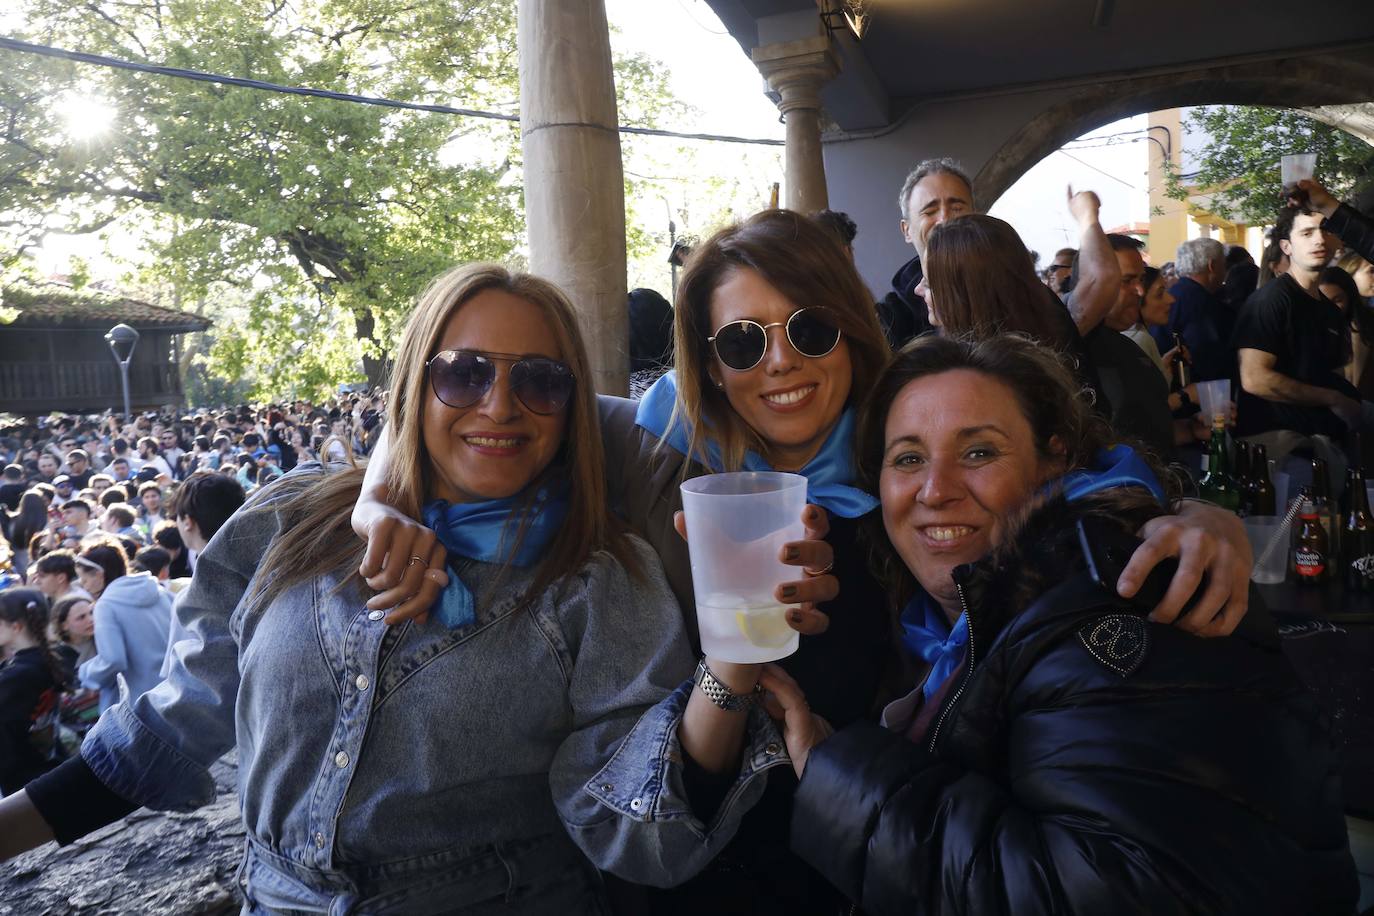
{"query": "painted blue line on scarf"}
(829, 475)
(480, 531)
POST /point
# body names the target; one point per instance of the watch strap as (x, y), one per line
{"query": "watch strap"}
(719, 694)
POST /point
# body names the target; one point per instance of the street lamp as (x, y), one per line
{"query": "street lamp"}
(122, 340)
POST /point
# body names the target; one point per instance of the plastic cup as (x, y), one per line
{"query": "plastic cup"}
(1271, 565)
(1294, 167)
(1215, 398)
(737, 524)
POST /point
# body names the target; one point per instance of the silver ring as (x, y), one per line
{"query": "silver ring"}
(414, 560)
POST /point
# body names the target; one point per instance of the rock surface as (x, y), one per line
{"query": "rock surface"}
(149, 863)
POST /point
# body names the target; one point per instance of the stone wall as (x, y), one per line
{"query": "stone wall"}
(147, 864)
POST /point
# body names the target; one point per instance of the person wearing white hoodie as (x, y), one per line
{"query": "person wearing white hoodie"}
(132, 621)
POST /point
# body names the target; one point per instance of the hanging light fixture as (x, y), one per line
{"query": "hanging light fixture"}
(852, 13)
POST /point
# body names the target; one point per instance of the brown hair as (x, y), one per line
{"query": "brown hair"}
(806, 265)
(1047, 394)
(983, 283)
(315, 534)
(29, 608)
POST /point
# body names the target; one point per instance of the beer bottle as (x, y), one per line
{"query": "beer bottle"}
(1262, 495)
(1242, 477)
(1217, 485)
(1181, 372)
(1310, 552)
(1326, 507)
(1357, 536)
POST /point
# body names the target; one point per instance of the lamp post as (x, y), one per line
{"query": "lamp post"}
(122, 340)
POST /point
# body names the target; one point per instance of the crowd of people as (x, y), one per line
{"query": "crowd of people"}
(468, 674)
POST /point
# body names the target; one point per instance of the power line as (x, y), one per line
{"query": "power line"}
(100, 60)
(1099, 171)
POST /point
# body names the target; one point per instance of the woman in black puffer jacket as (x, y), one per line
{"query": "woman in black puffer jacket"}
(1060, 753)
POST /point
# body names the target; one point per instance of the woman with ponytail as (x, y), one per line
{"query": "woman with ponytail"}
(30, 686)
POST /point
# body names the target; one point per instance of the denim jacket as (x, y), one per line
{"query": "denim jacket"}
(372, 772)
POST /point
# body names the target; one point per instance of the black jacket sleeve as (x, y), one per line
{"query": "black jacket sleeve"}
(1354, 229)
(74, 802)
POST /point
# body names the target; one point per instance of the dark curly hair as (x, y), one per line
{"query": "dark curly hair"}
(1046, 391)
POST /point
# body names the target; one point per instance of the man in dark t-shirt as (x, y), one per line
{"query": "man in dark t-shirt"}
(1293, 343)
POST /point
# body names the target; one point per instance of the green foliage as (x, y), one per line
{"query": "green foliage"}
(1238, 164)
(319, 220)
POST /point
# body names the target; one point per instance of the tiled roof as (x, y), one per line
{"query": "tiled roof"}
(57, 306)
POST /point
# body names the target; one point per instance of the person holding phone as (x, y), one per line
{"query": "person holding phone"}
(1058, 750)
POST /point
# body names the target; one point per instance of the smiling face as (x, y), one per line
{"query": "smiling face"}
(959, 456)
(791, 401)
(496, 447)
(935, 198)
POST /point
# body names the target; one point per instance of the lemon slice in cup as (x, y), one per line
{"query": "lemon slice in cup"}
(764, 627)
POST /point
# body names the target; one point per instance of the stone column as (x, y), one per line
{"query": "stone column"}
(574, 183)
(797, 70)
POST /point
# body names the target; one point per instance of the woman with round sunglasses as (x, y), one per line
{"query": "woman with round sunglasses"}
(775, 338)
(543, 723)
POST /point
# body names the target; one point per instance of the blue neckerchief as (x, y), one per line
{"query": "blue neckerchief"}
(828, 475)
(925, 632)
(1118, 466)
(479, 531)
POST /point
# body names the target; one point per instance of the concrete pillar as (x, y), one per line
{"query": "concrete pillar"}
(797, 70)
(574, 183)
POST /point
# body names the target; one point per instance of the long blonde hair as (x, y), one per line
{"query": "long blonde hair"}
(316, 535)
(807, 265)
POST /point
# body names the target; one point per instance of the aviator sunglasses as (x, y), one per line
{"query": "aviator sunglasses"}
(741, 345)
(461, 378)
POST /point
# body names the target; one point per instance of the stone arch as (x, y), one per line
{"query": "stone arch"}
(1298, 82)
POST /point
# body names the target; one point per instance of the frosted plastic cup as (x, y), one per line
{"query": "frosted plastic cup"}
(1214, 398)
(1262, 530)
(1295, 167)
(736, 526)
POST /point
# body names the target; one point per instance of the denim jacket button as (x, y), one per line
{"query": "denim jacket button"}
(772, 749)
(606, 787)
(376, 615)
(341, 759)
(362, 682)
(319, 840)
(636, 804)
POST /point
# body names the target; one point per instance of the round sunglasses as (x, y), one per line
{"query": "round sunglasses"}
(741, 345)
(461, 378)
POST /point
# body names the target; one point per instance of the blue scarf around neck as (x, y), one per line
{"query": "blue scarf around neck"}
(926, 632)
(479, 531)
(829, 474)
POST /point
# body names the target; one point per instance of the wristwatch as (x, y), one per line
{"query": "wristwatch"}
(718, 693)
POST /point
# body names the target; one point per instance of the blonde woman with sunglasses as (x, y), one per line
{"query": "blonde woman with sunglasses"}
(540, 724)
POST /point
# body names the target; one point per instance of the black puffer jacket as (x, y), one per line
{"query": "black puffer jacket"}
(901, 312)
(1091, 762)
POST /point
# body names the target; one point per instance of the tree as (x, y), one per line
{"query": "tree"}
(1238, 161)
(323, 218)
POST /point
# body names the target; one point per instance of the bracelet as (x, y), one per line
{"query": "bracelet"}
(719, 694)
